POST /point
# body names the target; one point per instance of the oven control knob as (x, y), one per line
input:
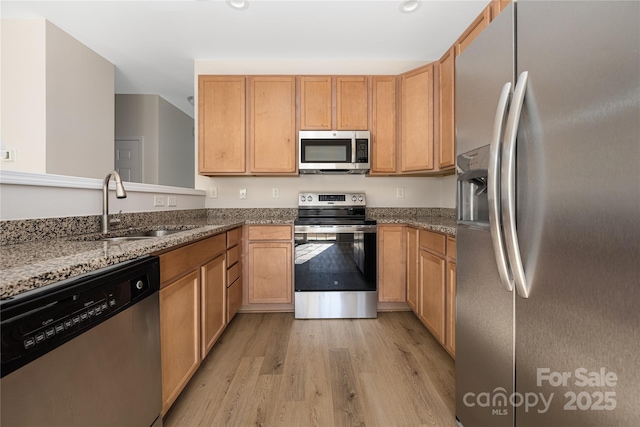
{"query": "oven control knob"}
(302, 198)
(360, 198)
(139, 285)
(353, 198)
(309, 198)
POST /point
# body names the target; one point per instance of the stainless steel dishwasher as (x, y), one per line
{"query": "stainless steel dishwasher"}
(85, 351)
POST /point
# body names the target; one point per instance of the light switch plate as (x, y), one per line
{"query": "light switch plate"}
(172, 201)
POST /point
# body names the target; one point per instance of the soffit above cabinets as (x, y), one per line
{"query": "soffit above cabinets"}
(153, 44)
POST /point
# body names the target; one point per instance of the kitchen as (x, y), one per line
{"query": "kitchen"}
(437, 194)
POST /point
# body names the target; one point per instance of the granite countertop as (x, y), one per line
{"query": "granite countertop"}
(31, 265)
(432, 223)
(34, 264)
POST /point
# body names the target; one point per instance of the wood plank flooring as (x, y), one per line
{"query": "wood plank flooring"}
(273, 370)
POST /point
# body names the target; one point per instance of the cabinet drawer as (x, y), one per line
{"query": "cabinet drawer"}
(177, 262)
(233, 255)
(233, 273)
(451, 247)
(433, 241)
(269, 232)
(234, 236)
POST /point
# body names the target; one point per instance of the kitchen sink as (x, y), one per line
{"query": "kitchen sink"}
(141, 235)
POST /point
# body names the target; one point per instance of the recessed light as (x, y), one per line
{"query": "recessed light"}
(409, 6)
(238, 4)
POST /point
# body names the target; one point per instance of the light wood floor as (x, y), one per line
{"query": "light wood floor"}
(273, 370)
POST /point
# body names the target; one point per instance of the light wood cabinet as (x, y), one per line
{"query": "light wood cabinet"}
(417, 120)
(221, 125)
(234, 272)
(412, 268)
(432, 299)
(476, 27)
(270, 269)
(352, 103)
(392, 265)
(446, 145)
(179, 335)
(315, 103)
(384, 116)
(214, 300)
(192, 310)
(272, 124)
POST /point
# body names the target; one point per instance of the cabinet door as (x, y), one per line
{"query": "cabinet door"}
(179, 335)
(383, 129)
(273, 124)
(412, 269)
(432, 294)
(214, 291)
(392, 265)
(315, 103)
(270, 272)
(221, 121)
(352, 103)
(234, 298)
(417, 120)
(450, 339)
(446, 146)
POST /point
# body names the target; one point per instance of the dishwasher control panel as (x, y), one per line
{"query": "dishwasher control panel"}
(41, 323)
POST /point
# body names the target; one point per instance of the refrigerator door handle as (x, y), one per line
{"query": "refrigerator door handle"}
(509, 186)
(493, 188)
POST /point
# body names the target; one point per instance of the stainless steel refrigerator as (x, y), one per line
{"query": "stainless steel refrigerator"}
(548, 236)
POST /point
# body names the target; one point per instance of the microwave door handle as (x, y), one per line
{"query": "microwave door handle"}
(353, 148)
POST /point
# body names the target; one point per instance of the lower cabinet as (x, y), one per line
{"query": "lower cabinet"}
(270, 270)
(431, 283)
(179, 335)
(234, 272)
(192, 310)
(392, 263)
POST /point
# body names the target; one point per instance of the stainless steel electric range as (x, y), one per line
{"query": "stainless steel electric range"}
(335, 257)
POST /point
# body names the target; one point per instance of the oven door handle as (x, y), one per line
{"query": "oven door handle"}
(365, 228)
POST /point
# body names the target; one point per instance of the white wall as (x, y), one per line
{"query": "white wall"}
(49, 196)
(176, 148)
(381, 191)
(57, 102)
(80, 106)
(137, 115)
(22, 94)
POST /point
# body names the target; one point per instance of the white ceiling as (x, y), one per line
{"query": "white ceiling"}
(153, 44)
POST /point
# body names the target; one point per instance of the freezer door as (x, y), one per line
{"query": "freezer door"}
(578, 214)
(484, 319)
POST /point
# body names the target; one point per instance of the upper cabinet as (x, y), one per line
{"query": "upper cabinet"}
(315, 103)
(352, 103)
(272, 124)
(384, 114)
(447, 126)
(328, 103)
(221, 124)
(416, 120)
(476, 27)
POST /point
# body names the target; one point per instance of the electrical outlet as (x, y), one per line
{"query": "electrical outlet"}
(275, 192)
(172, 201)
(213, 192)
(400, 192)
(158, 200)
(243, 193)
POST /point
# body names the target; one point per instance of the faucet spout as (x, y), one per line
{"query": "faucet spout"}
(120, 194)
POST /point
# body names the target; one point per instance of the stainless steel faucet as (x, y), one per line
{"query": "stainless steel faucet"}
(120, 194)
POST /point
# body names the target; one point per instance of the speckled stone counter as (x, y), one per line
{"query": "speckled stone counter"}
(54, 249)
(39, 262)
(442, 220)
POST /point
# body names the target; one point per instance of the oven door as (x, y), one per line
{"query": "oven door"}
(335, 271)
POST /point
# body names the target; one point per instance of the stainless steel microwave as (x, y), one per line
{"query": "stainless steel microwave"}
(334, 151)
